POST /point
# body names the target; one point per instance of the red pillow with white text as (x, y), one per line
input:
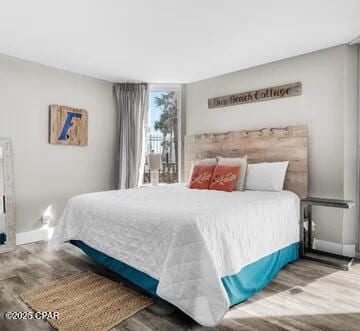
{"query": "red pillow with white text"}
(224, 178)
(201, 177)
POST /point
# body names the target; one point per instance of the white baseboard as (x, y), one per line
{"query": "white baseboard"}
(335, 248)
(43, 233)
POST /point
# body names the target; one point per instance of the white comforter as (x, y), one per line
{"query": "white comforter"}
(186, 239)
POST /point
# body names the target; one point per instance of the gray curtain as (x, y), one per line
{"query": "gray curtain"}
(132, 104)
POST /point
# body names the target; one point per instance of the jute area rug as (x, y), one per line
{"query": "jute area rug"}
(86, 301)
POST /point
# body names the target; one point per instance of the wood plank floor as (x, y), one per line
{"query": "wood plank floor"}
(304, 296)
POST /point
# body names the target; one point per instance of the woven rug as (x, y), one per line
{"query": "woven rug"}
(86, 301)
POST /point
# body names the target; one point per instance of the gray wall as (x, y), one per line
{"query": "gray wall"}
(50, 174)
(327, 105)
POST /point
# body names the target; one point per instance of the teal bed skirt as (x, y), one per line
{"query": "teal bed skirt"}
(239, 287)
(2, 238)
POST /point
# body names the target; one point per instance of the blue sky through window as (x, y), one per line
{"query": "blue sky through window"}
(154, 113)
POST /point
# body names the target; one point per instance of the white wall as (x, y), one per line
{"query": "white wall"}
(327, 105)
(50, 174)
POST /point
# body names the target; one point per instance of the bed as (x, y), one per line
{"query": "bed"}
(203, 251)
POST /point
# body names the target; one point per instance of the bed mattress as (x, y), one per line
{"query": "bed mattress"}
(189, 241)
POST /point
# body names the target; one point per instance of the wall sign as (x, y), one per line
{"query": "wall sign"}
(68, 126)
(270, 93)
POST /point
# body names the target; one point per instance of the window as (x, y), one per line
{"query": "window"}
(163, 132)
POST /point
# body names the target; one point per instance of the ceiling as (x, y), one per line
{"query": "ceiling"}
(171, 41)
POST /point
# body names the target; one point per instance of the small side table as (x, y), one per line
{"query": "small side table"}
(307, 251)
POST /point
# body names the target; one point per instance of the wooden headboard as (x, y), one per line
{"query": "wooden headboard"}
(265, 145)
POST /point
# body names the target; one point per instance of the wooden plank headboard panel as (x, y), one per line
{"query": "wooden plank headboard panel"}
(265, 145)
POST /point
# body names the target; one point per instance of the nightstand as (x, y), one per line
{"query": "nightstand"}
(307, 251)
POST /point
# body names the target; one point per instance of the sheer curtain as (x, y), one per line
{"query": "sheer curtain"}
(132, 105)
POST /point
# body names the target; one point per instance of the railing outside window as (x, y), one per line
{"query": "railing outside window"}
(166, 146)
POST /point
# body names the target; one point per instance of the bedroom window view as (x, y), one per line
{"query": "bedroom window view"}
(161, 154)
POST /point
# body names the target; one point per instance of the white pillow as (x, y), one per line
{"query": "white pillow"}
(236, 161)
(208, 161)
(266, 176)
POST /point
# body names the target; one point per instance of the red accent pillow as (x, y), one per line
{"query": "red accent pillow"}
(224, 178)
(201, 176)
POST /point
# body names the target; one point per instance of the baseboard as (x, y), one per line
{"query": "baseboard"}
(43, 233)
(335, 248)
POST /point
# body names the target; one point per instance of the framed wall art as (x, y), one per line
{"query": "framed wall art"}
(68, 126)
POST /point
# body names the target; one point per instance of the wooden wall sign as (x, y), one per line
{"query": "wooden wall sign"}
(68, 126)
(270, 93)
